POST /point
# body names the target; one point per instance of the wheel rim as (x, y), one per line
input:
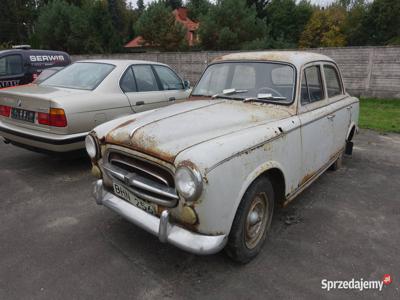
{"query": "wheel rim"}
(256, 220)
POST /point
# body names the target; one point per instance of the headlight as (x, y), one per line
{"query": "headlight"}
(91, 146)
(188, 182)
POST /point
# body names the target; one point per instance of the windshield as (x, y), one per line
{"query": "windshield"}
(83, 76)
(248, 80)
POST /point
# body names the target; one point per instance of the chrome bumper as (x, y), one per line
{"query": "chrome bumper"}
(161, 227)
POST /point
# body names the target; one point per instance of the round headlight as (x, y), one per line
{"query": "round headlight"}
(91, 146)
(188, 182)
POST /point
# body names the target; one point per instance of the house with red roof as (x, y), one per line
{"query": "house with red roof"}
(181, 17)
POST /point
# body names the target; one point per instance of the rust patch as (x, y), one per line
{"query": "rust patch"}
(112, 131)
(306, 178)
(188, 164)
(139, 142)
(148, 144)
(125, 124)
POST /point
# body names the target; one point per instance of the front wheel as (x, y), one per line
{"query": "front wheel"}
(252, 221)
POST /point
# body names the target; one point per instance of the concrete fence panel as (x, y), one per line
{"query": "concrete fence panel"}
(366, 71)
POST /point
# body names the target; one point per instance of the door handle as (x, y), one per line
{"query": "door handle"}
(139, 103)
(171, 99)
(349, 107)
(330, 117)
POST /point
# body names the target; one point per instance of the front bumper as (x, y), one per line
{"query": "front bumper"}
(184, 239)
(42, 140)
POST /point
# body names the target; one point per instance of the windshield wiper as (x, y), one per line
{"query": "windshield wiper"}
(264, 98)
(228, 92)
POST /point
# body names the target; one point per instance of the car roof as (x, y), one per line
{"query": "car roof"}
(32, 51)
(297, 58)
(121, 62)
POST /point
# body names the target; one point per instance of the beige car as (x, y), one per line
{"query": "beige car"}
(58, 113)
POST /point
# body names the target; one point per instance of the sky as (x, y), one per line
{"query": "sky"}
(320, 2)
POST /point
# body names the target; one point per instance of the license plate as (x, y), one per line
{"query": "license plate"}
(122, 192)
(23, 115)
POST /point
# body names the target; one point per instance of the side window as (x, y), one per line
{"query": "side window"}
(332, 81)
(11, 65)
(169, 80)
(145, 79)
(128, 83)
(305, 97)
(312, 79)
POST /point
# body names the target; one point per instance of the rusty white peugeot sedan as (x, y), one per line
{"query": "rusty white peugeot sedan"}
(207, 173)
(56, 114)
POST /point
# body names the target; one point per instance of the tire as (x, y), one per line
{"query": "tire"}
(249, 230)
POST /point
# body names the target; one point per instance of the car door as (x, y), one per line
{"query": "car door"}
(316, 122)
(171, 83)
(142, 88)
(11, 70)
(339, 105)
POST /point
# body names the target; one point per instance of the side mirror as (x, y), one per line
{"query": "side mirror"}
(186, 84)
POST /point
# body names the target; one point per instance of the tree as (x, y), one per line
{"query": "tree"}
(231, 24)
(54, 25)
(16, 20)
(120, 17)
(86, 29)
(260, 6)
(140, 6)
(102, 36)
(197, 8)
(280, 16)
(353, 26)
(324, 29)
(174, 4)
(382, 22)
(158, 27)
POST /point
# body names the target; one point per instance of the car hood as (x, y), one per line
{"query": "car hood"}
(166, 132)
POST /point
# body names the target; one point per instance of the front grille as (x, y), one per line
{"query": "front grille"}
(146, 180)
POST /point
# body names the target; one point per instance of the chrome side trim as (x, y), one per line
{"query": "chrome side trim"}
(182, 238)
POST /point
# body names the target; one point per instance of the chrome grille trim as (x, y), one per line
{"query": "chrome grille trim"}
(146, 183)
(139, 168)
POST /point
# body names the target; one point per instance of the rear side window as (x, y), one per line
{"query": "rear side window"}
(311, 86)
(145, 79)
(332, 81)
(128, 83)
(169, 80)
(11, 65)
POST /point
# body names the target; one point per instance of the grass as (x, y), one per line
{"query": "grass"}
(380, 114)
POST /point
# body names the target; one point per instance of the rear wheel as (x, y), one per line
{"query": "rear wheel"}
(252, 221)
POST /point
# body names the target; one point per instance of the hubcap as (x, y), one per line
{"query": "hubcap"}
(256, 220)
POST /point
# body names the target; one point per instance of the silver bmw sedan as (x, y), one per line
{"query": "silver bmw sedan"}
(57, 114)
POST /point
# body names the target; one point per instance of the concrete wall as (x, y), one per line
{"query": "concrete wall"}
(367, 71)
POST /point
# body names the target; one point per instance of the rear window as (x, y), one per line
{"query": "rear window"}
(82, 76)
(11, 65)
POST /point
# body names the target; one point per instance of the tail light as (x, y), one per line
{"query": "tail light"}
(5, 110)
(56, 118)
